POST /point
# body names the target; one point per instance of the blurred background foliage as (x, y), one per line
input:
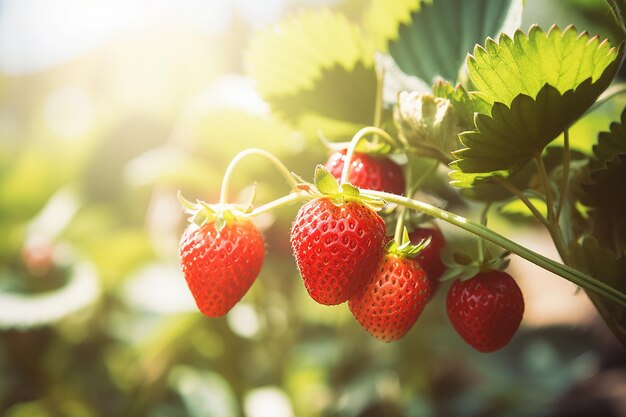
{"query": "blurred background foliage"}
(108, 108)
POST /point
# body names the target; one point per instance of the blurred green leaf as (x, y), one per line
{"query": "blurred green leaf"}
(610, 143)
(205, 393)
(607, 202)
(517, 207)
(602, 264)
(440, 34)
(383, 18)
(315, 61)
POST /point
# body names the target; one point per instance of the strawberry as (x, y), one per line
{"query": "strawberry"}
(220, 259)
(373, 172)
(430, 257)
(337, 239)
(336, 247)
(395, 296)
(486, 310)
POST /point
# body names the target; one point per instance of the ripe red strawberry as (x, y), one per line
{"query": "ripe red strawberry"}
(373, 172)
(220, 266)
(337, 247)
(430, 257)
(393, 299)
(486, 310)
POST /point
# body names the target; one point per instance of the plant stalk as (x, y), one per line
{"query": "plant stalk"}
(569, 273)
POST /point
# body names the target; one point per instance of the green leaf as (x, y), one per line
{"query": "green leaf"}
(602, 264)
(204, 393)
(383, 18)
(525, 64)
(607, 200)
(610, 143)
(504, 142)
(437, 39)
(314, 62)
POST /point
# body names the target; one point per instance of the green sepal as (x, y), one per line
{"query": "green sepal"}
(324, 181)
(326, 185)
(202, 213)
(405, 248)
(463, 266)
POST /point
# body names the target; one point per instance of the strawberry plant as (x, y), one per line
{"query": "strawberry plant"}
(489, 111)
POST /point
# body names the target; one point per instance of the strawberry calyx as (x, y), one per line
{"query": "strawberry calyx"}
(404, 247)
(464, 267)
(201, 212)
(326, 185)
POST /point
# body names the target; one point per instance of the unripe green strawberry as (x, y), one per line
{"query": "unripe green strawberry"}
(368, 171)
(486, 310)
(336, 247)
(220, 262)
(393, 299)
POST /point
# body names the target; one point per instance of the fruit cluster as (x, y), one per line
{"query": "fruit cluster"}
(344, 254)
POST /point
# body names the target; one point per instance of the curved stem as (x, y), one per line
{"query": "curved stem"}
(355, 141)
(565, 179)
(569, 273)
(481, 241)
(253, 151)
(543, 176)
(289, 198)
(518, 193)
(608, 94)
(553, 225)
(402, 211)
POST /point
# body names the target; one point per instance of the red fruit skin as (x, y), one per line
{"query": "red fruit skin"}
(336, 247)
(393, 299)
(430, 257)
(220, 267)
(370, 172)
(486, 310)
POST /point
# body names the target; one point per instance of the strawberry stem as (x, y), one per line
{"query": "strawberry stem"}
(569, 273)
(289, 198)
(355, 141)
(253, 151)
(565, 174)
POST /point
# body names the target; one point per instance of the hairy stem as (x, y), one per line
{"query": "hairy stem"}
(293, 197)
(565, 179)
(253, 151)
(519, 194)
(553, 225)
(355, 141)
(569, 273)
(481, 241)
